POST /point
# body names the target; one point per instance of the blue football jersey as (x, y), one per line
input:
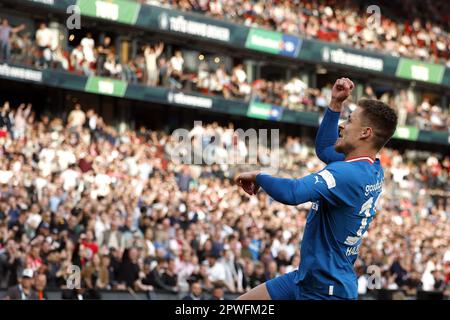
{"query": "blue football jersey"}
(344, 196)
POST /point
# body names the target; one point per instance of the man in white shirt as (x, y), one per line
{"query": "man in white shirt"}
(77, 58)
(44, 41)
(176, 65)
(77, 117)
(428, 279)
(44, 36)
(88, 44)
(216, 272)
(70, 178)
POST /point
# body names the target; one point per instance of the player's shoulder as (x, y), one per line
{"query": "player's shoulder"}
(340, 167)
(332, 173)
(340, 171)
(355, 172)
(354, 164)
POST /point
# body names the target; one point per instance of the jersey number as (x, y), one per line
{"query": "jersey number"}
(365, 210)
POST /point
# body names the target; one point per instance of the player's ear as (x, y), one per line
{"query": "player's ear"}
(366, 132)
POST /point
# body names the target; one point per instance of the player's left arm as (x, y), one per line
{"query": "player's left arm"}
(327, 136)
(329, 129)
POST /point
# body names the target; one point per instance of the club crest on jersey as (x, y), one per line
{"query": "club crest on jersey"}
(315, 206)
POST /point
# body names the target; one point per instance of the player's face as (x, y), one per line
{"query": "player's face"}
(349, 132)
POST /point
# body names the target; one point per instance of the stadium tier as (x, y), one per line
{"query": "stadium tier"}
(95, 182)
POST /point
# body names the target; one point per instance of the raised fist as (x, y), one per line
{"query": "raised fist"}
(342, 89)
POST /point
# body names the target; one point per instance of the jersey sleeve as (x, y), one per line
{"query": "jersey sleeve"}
(327, 136)
(331, 184)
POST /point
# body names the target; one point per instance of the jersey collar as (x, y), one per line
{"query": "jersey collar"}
(363, 158)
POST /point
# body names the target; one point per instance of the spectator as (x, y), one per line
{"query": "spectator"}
(240, 87)
(129, 268)
(184, 179)
(24, 289)
(294, 265)
(91, 272)
(195, 291)
(5, 120)
(115, 256)
(157, 279)
(23, 50)
(40, 284)
(223, 81)
(151, 56)
(170, 277)
(88, 45)
(163, 76)
(77, 60)
(112, 238)
(5, 39)
(112, 67)
(59, 59)
(145, 281)
(11, 261)
(105, 274)
(233, 272)
(175, 69)
(216, 271)
(104, 49)
(77, 117)
(33, 260)
(44, 42)
(428, 279)
(217, 293)
(258, 275)
(130, 72)
(20, 120)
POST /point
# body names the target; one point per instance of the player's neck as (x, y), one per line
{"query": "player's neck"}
(361, 154)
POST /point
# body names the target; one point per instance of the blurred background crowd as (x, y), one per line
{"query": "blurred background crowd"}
(76, 191)
(205, 73)
(405, 28)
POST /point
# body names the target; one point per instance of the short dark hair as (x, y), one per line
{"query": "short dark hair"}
(192, 282)
(383, 119)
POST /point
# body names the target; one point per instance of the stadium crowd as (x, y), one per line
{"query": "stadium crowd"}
(153, 66)
(76, 191)
(353, 23)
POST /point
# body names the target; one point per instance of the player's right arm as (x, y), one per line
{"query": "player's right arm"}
(328, 129)
(297, 191)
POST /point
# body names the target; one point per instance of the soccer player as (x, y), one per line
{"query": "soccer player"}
(343, 195)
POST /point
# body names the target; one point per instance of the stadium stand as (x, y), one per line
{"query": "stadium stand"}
(66, 198)
(152, 66)
(424, 36)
